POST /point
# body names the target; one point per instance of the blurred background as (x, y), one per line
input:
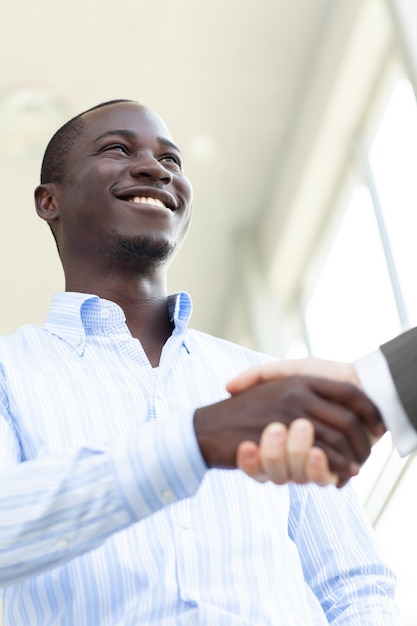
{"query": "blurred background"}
(298, 123)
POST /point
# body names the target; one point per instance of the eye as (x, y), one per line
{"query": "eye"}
(116, 147)
(171, 160)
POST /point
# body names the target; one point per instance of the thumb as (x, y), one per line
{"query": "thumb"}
(253, 376)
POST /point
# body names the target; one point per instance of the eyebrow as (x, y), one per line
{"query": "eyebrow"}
(129, 134)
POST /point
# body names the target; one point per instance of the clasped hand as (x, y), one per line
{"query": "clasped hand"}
(249, 430)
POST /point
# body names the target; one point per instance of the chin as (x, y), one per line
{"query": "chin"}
(139, 251)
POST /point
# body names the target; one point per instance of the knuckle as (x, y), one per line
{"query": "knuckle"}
(299, 381)
(294, 392)
(351, 422)
(364, 454)
(351, 390)
(337, 440)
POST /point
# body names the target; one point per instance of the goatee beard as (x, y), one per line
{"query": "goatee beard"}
(141, 253)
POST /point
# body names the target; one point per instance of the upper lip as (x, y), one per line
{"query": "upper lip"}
(135, 191)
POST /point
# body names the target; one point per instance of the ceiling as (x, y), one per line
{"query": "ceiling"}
(231, 79)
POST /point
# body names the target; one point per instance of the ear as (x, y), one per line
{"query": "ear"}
(46, 202)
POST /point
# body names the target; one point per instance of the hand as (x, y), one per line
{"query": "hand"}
(286, 455)
(336, 410)
(311, 367)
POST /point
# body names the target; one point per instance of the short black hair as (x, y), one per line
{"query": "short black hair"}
(54, 162)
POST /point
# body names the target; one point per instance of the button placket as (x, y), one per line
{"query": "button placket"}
(188, 566)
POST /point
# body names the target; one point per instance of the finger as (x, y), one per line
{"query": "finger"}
(336, 410)
(335, 425)
(354, 399)
(273, 453)
(344, 430)
(338, 464)
(247, 379)
(299, 442)
(259, 374)
(248, 460)
(335, 443)
(310, 366)
(317, 468)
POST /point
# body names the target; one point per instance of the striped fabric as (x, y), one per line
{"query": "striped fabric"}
(108, 516)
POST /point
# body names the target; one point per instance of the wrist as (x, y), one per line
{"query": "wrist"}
(211, 438)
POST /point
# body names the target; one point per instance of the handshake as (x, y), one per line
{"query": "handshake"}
(309, 420)
(327, 452)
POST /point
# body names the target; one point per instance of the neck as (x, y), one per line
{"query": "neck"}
(143, 300)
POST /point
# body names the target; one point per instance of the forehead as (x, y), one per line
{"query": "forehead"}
(123, 116)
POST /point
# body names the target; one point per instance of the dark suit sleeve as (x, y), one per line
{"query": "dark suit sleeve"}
(401, 355)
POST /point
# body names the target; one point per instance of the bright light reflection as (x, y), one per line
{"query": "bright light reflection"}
(393, 158)
(352, 309)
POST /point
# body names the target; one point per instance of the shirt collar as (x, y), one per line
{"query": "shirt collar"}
(74, 315)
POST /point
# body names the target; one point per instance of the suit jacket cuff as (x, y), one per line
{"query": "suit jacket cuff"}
(375, 377)
(401, 355)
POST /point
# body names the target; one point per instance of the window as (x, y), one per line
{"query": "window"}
(364, 294)
(352, 307)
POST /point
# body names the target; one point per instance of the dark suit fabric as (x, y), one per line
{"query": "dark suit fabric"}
(401, 354)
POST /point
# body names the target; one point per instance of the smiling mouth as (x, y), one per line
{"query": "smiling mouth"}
(147, 200)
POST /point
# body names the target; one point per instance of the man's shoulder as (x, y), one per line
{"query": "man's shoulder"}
(22, 335)
(223, 346)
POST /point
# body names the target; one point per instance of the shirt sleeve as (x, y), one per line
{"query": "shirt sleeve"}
(340, 561)
(376, 380)
(56, 508)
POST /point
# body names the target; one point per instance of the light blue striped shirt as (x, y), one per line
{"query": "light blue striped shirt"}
(109, 517)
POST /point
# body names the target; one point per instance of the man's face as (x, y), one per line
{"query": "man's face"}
(124, 185)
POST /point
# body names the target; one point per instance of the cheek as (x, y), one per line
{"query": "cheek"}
(88, 179)
(186, 222)
(186, 189)
(88, 193)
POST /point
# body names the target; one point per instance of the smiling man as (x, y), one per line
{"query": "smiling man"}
(120, 499)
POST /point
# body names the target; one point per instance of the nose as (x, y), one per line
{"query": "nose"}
(147, 166)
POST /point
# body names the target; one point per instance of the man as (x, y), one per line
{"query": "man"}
(117, 435)
(388, 377)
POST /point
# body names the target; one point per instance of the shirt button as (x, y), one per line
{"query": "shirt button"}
(167, 496)
(124, 337)
(159, 393)
(104, 313)
(184, 525)
(62, 545)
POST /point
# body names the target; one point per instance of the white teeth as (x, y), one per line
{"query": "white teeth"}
(145, 200)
